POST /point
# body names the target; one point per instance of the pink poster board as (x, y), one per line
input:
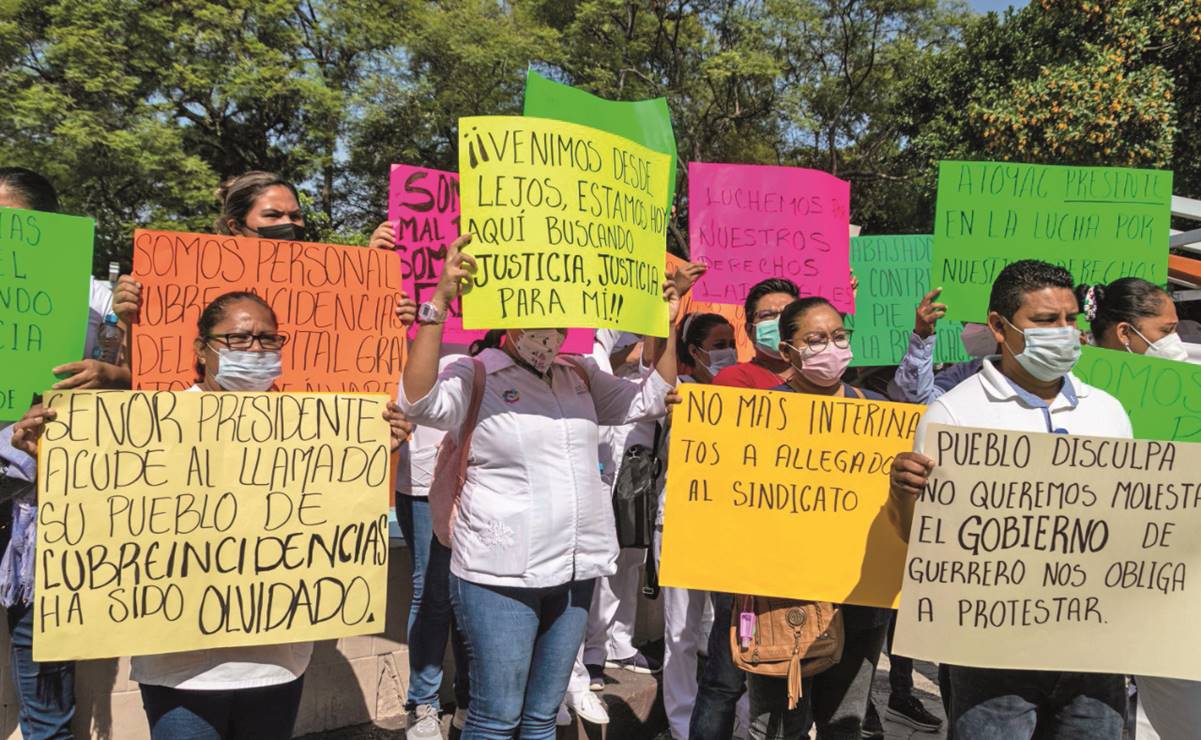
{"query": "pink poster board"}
(752, 222)
(423, 204)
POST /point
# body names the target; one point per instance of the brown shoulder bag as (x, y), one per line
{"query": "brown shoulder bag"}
(788, 639)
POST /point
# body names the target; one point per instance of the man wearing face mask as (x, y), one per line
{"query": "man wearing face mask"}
(1030, 388)
(764, 304)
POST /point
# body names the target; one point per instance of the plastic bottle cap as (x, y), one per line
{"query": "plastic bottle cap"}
(111, 318)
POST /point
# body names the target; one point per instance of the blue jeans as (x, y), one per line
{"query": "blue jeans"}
(430, 617)
(521, 644)
(46, 691)
(265, 713)
(721, 683)
(993, 704)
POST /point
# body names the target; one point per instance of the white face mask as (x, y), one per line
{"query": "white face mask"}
(538, 347)
(720, 359)
(242, 370)
(1050, 352)
(978, 340)
(1169, 346)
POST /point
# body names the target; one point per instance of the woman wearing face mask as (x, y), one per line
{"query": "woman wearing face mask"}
(535, 523)
(1132, 315)
(241, 692)
(818, 347)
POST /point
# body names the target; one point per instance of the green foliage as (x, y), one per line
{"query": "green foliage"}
(136, 110)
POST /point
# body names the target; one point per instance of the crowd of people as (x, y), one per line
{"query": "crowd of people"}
(519, 567)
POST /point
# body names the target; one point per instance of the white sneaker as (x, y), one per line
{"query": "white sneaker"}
(422, 724)
(460, 718)
(588, 706)
(564, 717)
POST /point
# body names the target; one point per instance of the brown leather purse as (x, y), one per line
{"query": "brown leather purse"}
(789, 639)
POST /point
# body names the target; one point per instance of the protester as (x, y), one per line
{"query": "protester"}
(763, 305)
(45, 691)
(535, 525)
(915, 380)
(1133, 315)
(817, 345)
(706, 347)
(1032, 313)
(237, 692)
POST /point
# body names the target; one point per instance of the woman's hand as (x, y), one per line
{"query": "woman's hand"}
(90, 374)
(686, 276)
(384, 236)
(127, 300)
(456, 272)
(401, 427)
(928, 314)
(406, 309)
(909, 473)
(28, 430)
(672, 297)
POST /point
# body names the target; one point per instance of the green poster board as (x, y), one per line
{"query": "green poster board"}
(1101, 223)
(45, 264)
(647, 122)
(1163, 397)
(894, 276)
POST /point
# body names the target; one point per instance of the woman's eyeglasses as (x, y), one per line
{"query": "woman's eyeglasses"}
(240, 341)
(818, 342)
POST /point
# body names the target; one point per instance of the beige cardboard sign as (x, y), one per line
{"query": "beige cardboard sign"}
(1055, 552)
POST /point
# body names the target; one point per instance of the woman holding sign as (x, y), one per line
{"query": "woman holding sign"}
(534, 526)
(817, 346)
(250, 692)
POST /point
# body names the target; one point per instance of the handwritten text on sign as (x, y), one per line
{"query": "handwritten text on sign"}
(175, 521)
(1031, 550)
(336, 304)
(45, 260)
(1100, 223)
(1162, 397)
(752, 222)
(807, 475)
(569, 226)
(894, 276)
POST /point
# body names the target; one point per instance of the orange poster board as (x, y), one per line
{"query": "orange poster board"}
(336, 304)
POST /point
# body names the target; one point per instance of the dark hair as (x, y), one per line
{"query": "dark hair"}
(32, 187)
(491, 340)
(1125, 299)
(238, 194)
(694, 330)
(215, 311)
(767, 287)
(794, 311)
(1022, 277)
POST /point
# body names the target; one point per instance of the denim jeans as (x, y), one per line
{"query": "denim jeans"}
(992, 704)
(261, 713)
(721, 682)
(836, 699)
(521, 646)
(431, 621)
(46, 691)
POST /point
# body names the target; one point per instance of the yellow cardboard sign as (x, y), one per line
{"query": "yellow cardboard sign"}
(1055, 552)
(782, 494)
(568, 224)
(171, 521)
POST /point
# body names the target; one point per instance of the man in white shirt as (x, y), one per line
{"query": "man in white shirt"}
(1032, 313)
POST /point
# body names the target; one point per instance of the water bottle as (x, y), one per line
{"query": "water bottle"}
(108, 340)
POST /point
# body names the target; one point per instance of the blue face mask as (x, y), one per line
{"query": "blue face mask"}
(1050, 352)
(767, 337)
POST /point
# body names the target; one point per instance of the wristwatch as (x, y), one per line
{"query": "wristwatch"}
(428, 313)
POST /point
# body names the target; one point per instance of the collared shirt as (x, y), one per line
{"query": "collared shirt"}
(989, 400)
(534, 512)
(915, 380)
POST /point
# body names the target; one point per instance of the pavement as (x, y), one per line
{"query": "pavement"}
(924, 681)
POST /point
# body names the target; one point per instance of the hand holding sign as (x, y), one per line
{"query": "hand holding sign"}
(456, 272)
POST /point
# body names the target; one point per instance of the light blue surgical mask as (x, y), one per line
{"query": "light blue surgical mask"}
(242, 370)
(767, 336)
(1050, 352)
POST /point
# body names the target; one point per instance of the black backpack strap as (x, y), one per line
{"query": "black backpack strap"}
(650, 589)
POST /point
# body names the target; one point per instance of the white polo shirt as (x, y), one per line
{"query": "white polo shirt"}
(989, 400)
